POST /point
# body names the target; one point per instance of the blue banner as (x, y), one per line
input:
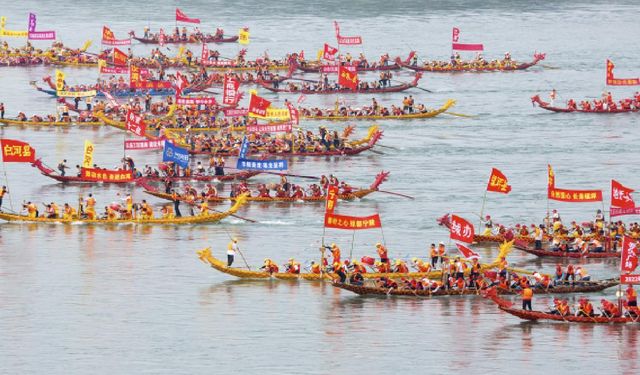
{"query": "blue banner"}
(244, 148)
(175, 154)
(262, 165)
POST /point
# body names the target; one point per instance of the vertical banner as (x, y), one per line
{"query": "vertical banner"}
(87, 161)
(59, 80)
(243, 36)
(332, 199)
(629, 255)
(230, 90)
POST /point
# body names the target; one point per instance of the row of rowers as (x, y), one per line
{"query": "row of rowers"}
(284, 189)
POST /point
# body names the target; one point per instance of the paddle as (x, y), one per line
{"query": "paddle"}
(239, 252)
(393, 148)
(419, 88)
(398, 194)
(234, 215)
(549, 66)
(459, 114)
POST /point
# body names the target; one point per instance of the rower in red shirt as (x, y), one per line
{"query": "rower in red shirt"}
(382, 253)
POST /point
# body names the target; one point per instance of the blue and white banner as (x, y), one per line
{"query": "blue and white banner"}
(244, 148)
(175, 154)
(262, 165)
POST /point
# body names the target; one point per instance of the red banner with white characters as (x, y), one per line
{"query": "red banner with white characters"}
(332, 199)
(284, 127)
(461, 230)
(181, 17)
(230, 86)
(206, 100)
(621, 195)
(114, 70)
(613, 211)
(611, 81)
(258, 106)
(157, 144)
(205, 53)
(119, 58)
(347, 78)
(335, 221)
(181, 83)
(135, 123)
(336, 68)
(93, 174)
(455, 37)
(294, 115)
(109, 39)
(565, 195)
(219, 63)
(110, 98)
(467, 253)
(235, 112)
(346, 40)
(630, 279)
(14, 151)
(137, 82)
(498, 182)
(629, 255)
(329, 52)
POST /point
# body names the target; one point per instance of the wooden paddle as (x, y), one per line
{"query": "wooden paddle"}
(234, 215)
(459, 114)
(398, 194)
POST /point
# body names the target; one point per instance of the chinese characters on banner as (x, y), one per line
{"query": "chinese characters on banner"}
(498, 182)
(137, 82)
(329, 53)
(109, 39)
(611, 81)
(621, 195)
(235, 112)
(565, 195)
(347, 78)
(461, 230)
(119, 58)
(285, 127)
(59, 80)
(332, 199)
(144, 144)
(335, 221)
(106, 175)
(346, 40)
(230, 90)
(135, 124)
(38, 35)
(629, 255)
(258, 106)
(262, 165)
(205, 100)
(87, 161)
(243, 36)
(335, 68)
(467, 253)
(14, 151)
(294, 115)
(463, 46)
(10, 33)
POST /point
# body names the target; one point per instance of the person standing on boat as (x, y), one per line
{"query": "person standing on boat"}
(62, 166)
(538, 236)
(527, 297)
(441, 253)
(433, 253)
(2, 111)
(632, 296)
(232, 248)
(175, 197)
(552, 96)
(382, 253)
(3, 191)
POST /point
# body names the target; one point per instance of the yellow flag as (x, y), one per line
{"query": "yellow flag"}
(243, 36)
(86, 45)
(87, 162)
(3, 21)
(101, 64)
(59, 80)
(180, 52)
(320, 54)
(253, 92)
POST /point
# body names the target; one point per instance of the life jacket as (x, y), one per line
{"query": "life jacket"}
(433, 253)
(632, 295)
(315, 269)
(527, 294)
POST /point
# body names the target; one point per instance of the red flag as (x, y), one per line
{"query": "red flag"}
(629, 255)
(461, 230)
(467, 253)
(181, 17)
(119, 58)
(455, 35)
(329, 52)
(258, 106)
(107, 34)
(621, 195)
(566, 195)
(498, 182)
(14, 151)
(351, 222)
(230, 90)
(551, 178)
(293, 114)
(346, 40)
(611, 81)
(332, 199)
(181, 83)
(205, 53)
(347, 78)
(135, 124)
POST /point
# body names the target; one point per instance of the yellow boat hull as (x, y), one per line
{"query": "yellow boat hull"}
(412, 116)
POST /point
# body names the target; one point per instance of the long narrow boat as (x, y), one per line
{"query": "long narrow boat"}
(15, 122)
(586, 287)
(107, 178)
(409, 116)
(316, 67)
(122, 125)
(544, 105)
(357, 194)
(215, 263)
(506, 306)
(191, 40)
(479, 238)
(346, 90)
(436, 66)
(200, 219)
(119, 93)
(526, 247)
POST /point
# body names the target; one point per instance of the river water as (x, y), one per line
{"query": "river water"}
(135, 299)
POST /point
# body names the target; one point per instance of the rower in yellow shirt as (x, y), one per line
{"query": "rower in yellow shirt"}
(91, 207)
(204, 208)
(68, 212)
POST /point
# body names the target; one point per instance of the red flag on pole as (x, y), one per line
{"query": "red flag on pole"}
(258, 106)
(611, 81)
(566, 195)
(463, 46)
(135, 124)
(181, 83)
(329, 52)
(621, 195)
(461, 230)
(181, 17)
(332, 199)
(14, 151)
(347, 78)
(629, 255)
(467, 253)
(455, 36)
(119, 58)
(230, 90)
(498, 182)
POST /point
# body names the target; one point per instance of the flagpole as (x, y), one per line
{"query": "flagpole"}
(484, 200)
(6, 179)
(353, 238)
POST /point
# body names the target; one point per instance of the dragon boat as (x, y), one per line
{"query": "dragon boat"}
(199, 219)
(439, 67)
(569, 109)
(116, 93)
(215, 263)
(16, 122)
(409, 116)
(526, 247)
(192, 39)
(344, 90)
(479, 238)
(316, 66)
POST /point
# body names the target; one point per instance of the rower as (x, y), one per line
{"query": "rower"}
(382, 253)
(433, 253)
(292, 266)
(582, 274)
(147, 211)
(609, 309)
(68, 212)
(585, 308)
(632, 296)
(441, 253)
(359, 267)
(335, 253)
(400, 267)
(91, 207)
(232, 247)
(502, 267)
(204, 208)
(270, 267)
(3, 192)
(315, 268)
(356, 278)
(421, 266)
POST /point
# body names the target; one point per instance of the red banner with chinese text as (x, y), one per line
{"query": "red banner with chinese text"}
(258, 106)
(284, 127)
(346, 40)
(498, 182)
(613, 211)
(335, 68)
(135, 124)
(351, 222)
(629, 255)
(119, 58)
(347, 78)
(332, 199)
(576, 196)
(455, 37)
(621, 195)
(14, 151)
(467, 253)
(461, 230)
(235, 112)
(230, 87)
(293, 114)
(329, 52)
(630, 279)
(611, 81)
(206, 100)
(109, 39)
(93, 174)
(156, 144)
